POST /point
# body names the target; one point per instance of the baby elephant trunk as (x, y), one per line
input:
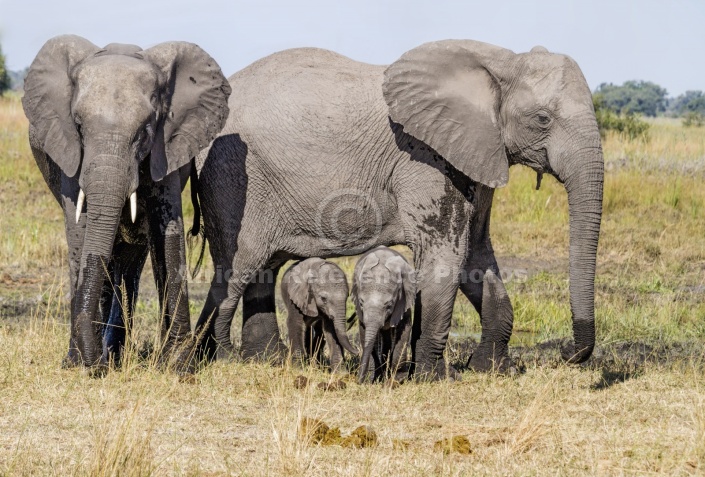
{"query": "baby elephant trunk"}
(371, 333)
(339, 322)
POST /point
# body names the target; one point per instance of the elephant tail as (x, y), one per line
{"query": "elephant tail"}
(197, 230)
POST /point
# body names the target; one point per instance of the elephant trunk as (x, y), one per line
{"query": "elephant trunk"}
(339, 323)
(584, 188)
(106, 186)
(371, 334)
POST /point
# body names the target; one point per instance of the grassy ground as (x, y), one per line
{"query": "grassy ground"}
(625, 413)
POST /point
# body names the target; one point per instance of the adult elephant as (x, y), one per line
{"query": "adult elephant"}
(108, 124)
(325, 156)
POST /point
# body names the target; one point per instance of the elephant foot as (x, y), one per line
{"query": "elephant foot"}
(182, 358)
(71, 360)
(485, 361)
(435, 371)
(275, 354)
(97, 371)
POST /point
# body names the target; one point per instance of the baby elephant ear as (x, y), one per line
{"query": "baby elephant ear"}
(48, 91)
(444, 93)
(300, 291)
(196, 104)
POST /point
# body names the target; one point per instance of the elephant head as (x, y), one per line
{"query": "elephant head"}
(484, 108)
(100, 113)
(384, 289)
(321, 286)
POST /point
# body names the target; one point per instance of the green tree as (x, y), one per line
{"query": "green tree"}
(640, 97)
(4, 76)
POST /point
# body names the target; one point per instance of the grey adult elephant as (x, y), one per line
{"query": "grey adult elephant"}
(326, 156)
(108, 124)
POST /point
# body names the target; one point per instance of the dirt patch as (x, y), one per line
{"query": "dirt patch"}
(400, 444)
(617, 361)
(518, 268)
(457, 444)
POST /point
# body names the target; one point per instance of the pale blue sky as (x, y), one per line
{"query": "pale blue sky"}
(612, 41)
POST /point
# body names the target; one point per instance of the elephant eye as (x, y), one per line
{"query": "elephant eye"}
(543, 119)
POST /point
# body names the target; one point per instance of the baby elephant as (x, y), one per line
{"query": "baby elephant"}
(316, 291)
(384, 289)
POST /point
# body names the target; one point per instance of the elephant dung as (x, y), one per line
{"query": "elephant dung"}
(459, 444)
(300, 381)
(361, 437)
(315, 431)
(332, 386)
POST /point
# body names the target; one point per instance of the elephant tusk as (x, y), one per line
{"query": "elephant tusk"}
(133, 206)
(79, 204)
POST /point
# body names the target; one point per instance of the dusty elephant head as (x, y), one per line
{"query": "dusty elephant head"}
(321, 286)
(484, 108)
(384, 289)
(99, 113)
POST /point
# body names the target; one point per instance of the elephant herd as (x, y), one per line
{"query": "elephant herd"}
(306, 155)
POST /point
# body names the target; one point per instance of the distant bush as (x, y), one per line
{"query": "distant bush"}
(4, 76)
(693, 118)
(692, 101)
(630, 124)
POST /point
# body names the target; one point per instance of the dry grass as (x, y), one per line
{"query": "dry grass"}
(239, 419)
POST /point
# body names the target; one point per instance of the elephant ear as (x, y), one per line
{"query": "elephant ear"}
(407, 290)
(443, 94)
(196, 104)
(47, 98)
(364, 265)
(300, 291)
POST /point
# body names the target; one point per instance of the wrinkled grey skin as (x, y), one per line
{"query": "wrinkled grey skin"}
(496, 307)
(316, 291)
(340, 156)
(383, 291)
(111, 121)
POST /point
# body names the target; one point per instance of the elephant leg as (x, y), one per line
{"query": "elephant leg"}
(492, 352)
(168, 253)
(398, 363)
(260, 330)
(432, 315)
(298, 335)
(334, 347)
(227, 287)
(128, 262)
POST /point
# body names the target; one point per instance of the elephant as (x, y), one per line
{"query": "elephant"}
(324, 156)
(114, 131)
(315, 292)
(383, 291)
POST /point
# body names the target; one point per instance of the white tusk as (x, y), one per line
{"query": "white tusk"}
(79, 204)
(133, 206)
